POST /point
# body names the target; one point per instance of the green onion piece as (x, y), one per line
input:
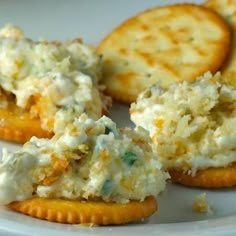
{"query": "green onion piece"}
(129, 158)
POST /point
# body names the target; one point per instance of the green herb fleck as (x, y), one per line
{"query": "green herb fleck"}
(108, 130)
(106, 188)
(129, 158)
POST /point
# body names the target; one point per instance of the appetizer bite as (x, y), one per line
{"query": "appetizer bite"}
(42, 81)
(192, 126)
(91, 172)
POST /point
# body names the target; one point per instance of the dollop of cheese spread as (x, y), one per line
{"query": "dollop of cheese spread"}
(54, 81)
(192, 124)
(88, 160)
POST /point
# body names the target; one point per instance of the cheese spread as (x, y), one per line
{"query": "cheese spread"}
(54, 81)
(88, 160)
(192, 124)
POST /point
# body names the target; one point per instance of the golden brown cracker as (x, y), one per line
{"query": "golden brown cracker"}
(17, 125)
(227, 9)
(214, 177)
(163, 44)
(82, 212)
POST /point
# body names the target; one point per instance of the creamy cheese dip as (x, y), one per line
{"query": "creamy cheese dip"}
(192, 125)
(54, 81)
(88, 160)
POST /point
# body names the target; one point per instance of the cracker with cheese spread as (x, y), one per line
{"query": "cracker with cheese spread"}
(44, 85)
(192, 126)
(113, 170)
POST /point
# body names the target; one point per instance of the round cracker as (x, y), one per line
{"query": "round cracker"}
(227, 9)
(215, 177)
(163, 44)
(83, 212)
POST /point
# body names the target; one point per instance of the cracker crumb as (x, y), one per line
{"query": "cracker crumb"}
(89, 225)
(200, 204)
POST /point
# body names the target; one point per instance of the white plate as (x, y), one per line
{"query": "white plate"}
(92, 20)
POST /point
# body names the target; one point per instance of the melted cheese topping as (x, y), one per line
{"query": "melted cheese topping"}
(88, 160)
(48, 78)
(192, 125)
